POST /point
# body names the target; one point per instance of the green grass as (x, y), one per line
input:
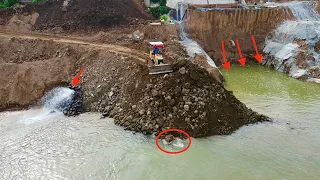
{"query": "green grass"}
(9, 3)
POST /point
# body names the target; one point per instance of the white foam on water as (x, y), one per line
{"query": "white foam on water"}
(35, 115)
(178, 143)
(53, 103)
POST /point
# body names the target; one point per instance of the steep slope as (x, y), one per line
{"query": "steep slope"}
(84, 14)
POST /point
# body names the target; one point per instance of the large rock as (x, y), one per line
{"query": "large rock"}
(300, 74)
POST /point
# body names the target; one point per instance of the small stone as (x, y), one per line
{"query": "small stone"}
(149, 113)
(110, 94)
(154, 93)
(169, 138)
(170, 115)
(175, 109)
(188, 103)
(141, 112)
(186, 107)
(105, 114)
(134, 107)
(185, 91)
(182, 70)
(130, 117)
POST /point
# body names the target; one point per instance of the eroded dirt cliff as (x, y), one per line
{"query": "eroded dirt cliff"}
(209, 28)
(116, 80)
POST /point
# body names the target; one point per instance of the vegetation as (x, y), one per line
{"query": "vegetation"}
(9, 3)
(162, 9)
(164, 17)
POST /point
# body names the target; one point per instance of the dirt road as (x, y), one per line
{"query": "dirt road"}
(139, 55)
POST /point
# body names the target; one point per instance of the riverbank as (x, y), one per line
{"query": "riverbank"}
(112, 82)
(89, 147)
(40, 53)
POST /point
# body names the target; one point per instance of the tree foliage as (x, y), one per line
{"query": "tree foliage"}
(8, 3)
(160, 10)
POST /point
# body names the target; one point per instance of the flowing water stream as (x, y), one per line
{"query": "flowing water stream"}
(284, 47)
(37, 144)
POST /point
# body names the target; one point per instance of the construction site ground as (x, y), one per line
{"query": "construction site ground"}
(39, 53)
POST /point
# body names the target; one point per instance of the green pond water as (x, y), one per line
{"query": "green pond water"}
(36, 144)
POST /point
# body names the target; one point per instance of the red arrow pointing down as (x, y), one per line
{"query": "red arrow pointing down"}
(257, 56)
(242, 60)
(226, 64)
(76, 80)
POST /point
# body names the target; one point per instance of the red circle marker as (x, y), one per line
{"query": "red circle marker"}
(174, 152)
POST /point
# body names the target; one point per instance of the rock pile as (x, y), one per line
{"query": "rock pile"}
(188, 99)
(76, 107)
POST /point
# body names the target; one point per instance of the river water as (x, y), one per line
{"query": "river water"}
(41, 144)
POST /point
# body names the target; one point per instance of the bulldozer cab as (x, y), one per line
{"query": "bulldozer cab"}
(157, 64)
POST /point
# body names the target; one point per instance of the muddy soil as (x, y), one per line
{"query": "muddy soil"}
(83, 15)
(116, 82)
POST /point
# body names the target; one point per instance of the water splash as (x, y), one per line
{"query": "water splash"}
(52, 105)
(58, 99)
(303, 11)
(283, 45)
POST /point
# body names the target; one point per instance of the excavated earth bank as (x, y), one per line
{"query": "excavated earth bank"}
(83, 14)
(116, 80)
(119, 84)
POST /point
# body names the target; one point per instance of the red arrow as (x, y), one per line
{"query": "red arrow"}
(226, 64)
(242, 60)
(76, 80)
(257, 56)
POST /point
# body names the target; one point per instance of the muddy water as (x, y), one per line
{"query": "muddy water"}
(37, 144)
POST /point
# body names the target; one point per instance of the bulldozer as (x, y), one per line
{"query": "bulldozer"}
(157, 64)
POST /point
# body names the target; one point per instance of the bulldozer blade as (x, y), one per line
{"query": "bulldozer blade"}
(160, 69)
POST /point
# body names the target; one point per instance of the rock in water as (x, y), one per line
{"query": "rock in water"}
(76, 106)
(169, 138)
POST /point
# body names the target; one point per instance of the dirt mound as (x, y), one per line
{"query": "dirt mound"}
(188, 99)
(86, 15)
(116, 83)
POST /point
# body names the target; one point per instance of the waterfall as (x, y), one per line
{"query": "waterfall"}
(52, 105)
(284, 45)
(192, 46)
(303, 11)
(58, 99)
